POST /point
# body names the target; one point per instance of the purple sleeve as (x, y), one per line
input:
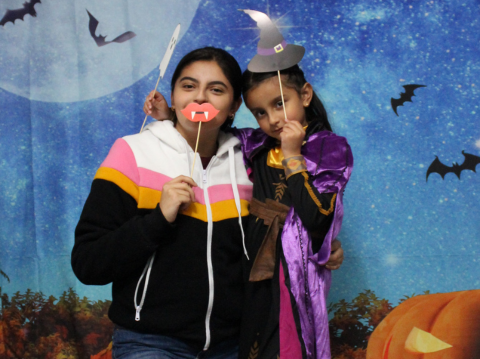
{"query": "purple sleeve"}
(242, 134)
(330, 174)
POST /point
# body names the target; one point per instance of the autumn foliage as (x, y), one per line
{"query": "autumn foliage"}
(33, 326)
(353, 323)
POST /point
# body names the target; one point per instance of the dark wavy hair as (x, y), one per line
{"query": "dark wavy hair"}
(228, 64)
(295, 78)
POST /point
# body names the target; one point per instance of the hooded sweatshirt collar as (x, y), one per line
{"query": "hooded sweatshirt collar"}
(166, 132)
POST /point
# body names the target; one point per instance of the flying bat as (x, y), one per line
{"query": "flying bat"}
(404, 96)
(100, 40)
(18, 14)
(471, 161)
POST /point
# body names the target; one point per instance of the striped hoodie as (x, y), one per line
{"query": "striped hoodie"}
(183, 279)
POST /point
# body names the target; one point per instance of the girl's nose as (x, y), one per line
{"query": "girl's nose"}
(274, 119)
(200, 97)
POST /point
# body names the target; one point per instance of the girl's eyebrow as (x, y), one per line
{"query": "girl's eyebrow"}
(210, 83)
(276, 99)
(255, 109)
(218, 83)
(188, 78)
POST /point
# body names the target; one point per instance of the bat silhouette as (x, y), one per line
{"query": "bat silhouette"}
(404, 96)
(100, 40)
(471, 161)
(18, 14)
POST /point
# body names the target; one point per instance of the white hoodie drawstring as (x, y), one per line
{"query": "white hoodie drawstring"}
(188, 154)
(236, 195)
(148, 269)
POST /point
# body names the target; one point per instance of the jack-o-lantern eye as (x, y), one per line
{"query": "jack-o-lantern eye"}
(421, 342)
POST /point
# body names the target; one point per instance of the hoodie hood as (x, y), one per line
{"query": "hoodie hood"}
(166, 132)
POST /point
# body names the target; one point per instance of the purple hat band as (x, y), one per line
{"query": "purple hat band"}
(272, 51)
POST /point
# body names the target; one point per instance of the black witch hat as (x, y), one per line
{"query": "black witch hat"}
(273, 52)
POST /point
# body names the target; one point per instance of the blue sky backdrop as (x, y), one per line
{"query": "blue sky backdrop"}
(64, 101)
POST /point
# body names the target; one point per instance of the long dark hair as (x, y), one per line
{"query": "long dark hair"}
(295, 79)
(228, 64)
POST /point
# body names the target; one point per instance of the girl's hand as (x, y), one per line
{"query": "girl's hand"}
(177, 195)
(336, 255)
(156, 106)
(292, 137)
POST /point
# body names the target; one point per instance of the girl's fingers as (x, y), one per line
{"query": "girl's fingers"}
(182, 183)
(294, 125)
(146, 109)
(292, 131)
(184, 196)
(184, 179)
(336, 244)
(185, 189)
(332, 267)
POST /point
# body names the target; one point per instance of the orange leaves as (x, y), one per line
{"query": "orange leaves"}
(32, 326)
(104, 354)
(353, 323)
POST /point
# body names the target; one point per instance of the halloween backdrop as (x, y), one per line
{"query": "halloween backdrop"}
(64, 99)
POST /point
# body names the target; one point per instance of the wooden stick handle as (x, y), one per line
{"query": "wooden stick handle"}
(158, 80)
(196, 147)
(281, 92)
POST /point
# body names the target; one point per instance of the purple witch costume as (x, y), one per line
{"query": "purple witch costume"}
(329, 162)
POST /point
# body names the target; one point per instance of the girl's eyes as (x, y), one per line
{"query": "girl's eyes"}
(279, 104)
(259, 114)
(215, 90)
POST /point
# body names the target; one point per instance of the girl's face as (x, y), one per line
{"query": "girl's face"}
(265, 102)
(203, 82)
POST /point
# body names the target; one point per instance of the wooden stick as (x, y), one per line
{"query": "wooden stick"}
(281, 92)
(159, 76)
(196, 146)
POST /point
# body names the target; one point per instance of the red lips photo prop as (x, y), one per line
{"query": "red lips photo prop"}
(200, 113)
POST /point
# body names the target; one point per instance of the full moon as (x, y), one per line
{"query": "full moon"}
(64, 64)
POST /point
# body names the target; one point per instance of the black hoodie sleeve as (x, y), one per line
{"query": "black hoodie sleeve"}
(113, 237)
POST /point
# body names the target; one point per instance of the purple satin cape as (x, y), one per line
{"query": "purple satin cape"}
(329, 162)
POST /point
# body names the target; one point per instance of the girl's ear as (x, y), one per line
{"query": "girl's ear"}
(236, 105)
(306, 93)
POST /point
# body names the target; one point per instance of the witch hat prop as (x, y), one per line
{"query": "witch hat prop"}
(273, 52)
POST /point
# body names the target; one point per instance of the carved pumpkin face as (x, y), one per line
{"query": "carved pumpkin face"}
(435, 326)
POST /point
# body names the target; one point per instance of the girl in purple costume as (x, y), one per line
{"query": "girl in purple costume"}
(301, 165)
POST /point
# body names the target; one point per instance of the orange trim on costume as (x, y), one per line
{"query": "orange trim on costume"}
(275, 158)
(315, 199)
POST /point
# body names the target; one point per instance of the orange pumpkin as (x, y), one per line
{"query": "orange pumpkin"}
(435, 326)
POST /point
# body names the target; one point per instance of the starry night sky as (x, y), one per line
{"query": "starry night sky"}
(401, 234)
